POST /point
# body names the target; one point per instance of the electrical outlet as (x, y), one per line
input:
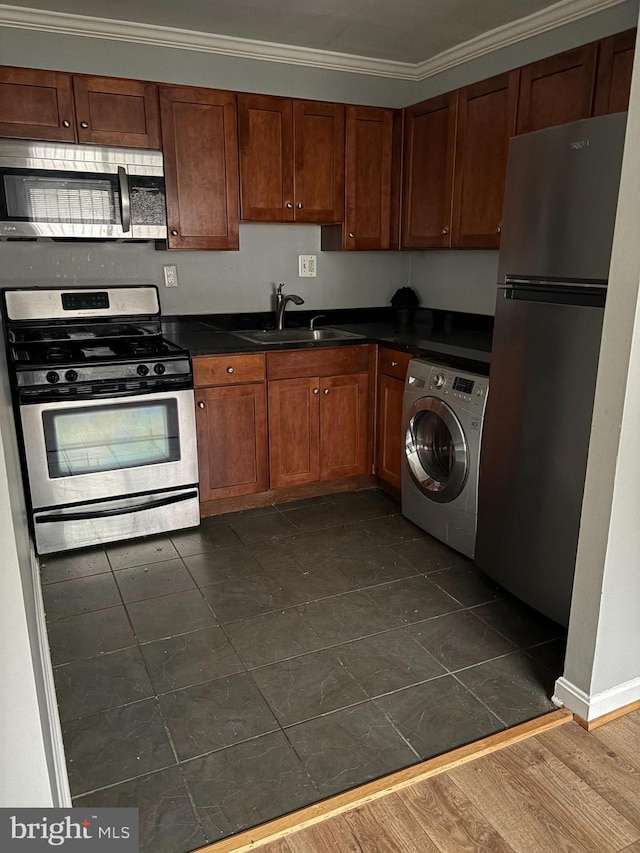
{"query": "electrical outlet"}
(307, 266)
(170, 275)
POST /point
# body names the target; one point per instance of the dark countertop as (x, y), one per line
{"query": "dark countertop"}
(458, 346)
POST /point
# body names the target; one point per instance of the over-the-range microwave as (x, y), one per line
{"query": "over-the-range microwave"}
(62, 191)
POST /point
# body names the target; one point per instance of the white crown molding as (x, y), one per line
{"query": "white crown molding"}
(564, 12)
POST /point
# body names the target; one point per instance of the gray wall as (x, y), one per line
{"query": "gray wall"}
(27, 747)
(211, 282)
(604, 632)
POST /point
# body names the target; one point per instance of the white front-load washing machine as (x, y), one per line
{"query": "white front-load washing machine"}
(442, 416)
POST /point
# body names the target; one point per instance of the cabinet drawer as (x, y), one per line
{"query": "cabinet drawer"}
(321, 362)
(393, 363)
(228, 369)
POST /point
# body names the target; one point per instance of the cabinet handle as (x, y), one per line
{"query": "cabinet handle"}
(444, 231)
(394, 364)
(316, 390)
(201, 405)
(327, 390)
(351, 234)
(300, 205)
(498, 229)
(84, 124)
(174, 233)
(66, 123)
(289, 205)
(229, 369)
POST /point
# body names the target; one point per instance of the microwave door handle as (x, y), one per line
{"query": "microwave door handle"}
(87, 515)
(125, 199)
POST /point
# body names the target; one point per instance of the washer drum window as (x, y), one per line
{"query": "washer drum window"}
(436, 450)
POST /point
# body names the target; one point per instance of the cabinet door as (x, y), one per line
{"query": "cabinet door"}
(199, 141)
(557, 90)
(615, 66)
(110, 111)
(429, 143)
(232, 440)
(294, 431)
(389, 437)
(344, 426)
(369, 152)
(36, 104)
(265, 127)
(486, 122)
(318, 161)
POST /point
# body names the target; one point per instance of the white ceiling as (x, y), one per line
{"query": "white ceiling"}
(411, 31)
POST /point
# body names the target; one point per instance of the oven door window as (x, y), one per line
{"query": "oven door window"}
(111, 437)
(56, 197)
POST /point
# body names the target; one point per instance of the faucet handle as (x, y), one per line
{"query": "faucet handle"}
(279, 289)
(313, 319)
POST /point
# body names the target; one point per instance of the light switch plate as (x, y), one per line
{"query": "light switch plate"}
(307, 266)
(170, 275)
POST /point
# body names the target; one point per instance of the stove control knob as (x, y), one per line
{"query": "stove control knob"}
(159, 369)
(71, 375)
(439, 380)
(53, 377)
(142, 369)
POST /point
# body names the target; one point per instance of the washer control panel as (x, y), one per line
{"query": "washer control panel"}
(468, 390)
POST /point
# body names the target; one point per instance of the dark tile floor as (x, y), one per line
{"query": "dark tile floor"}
(219, 677)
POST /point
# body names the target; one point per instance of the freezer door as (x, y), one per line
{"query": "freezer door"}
(535, 443)
(560, 200)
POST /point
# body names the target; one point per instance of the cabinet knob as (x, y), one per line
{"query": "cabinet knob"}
(66, 123)
(289, 205)
(327, 390)
(174, 233)
(229, 369)
(300, 205)
(316, 390)
(394, 364)
(201, 405)
(498, 229)
(444, 231)
(84, 124)
(351, 234)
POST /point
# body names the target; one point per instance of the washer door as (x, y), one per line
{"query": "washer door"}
(436, 450)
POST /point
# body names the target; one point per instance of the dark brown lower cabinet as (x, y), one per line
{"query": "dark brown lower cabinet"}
(392, 370)
(232, 440)
(318, 428)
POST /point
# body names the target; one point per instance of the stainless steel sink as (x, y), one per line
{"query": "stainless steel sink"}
(295, 336)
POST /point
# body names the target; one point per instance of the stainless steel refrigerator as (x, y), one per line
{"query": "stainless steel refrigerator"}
(559, 213)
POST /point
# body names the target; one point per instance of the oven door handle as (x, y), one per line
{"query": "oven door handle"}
(125, 510)
(125, 199)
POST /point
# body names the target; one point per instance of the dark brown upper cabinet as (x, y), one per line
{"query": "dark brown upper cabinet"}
(291, 159)
(429, 144)
(486, 122)
(49, 105)
(557, 90)
(110, 111)
(36, 104)
(200, 144)
(372, 166)
(613, 80)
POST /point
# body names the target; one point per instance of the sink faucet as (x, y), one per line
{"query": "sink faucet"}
(281, 304)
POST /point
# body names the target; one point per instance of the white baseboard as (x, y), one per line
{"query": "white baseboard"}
(49, 715)
(590, 707)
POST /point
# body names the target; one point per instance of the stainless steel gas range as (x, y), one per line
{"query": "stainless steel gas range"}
(106, 410)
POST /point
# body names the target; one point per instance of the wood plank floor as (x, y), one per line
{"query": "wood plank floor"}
(564, 790)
